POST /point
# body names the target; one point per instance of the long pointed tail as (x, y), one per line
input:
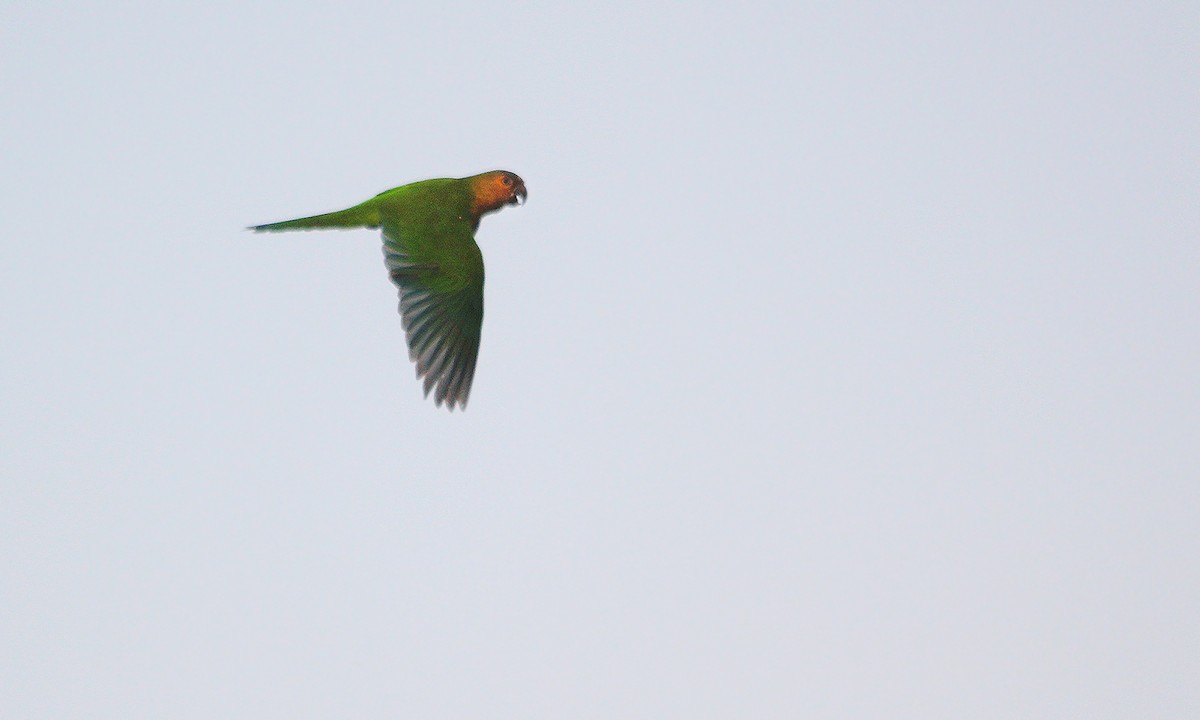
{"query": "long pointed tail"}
(358, 216)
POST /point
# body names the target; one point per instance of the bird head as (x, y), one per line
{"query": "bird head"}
(493, 190)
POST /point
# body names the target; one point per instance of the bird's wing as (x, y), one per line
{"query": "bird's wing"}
(439, 273)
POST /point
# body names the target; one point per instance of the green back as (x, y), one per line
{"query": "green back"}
(431, 255)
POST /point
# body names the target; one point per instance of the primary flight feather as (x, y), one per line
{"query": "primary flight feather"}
(430, 252)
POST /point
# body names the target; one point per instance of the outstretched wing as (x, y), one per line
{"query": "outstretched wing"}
(439, 273)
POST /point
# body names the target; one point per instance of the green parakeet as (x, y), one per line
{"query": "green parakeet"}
(430, 252)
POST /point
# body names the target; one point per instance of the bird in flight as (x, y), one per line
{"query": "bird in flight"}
(430, 252)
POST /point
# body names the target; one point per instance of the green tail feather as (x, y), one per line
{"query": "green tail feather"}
(358, 216)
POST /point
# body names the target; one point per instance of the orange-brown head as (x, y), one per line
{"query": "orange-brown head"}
(493, 190)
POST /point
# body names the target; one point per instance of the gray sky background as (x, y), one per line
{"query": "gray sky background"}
(843, 363)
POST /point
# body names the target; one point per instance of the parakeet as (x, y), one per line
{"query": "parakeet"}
(430, 252)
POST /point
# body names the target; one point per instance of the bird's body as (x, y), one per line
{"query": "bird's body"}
(430, 251)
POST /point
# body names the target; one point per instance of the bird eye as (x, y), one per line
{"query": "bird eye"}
(506, 181)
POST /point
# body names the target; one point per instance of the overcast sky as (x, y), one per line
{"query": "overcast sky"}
(842, 364)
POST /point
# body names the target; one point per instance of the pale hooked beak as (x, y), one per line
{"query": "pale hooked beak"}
(518, 196)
